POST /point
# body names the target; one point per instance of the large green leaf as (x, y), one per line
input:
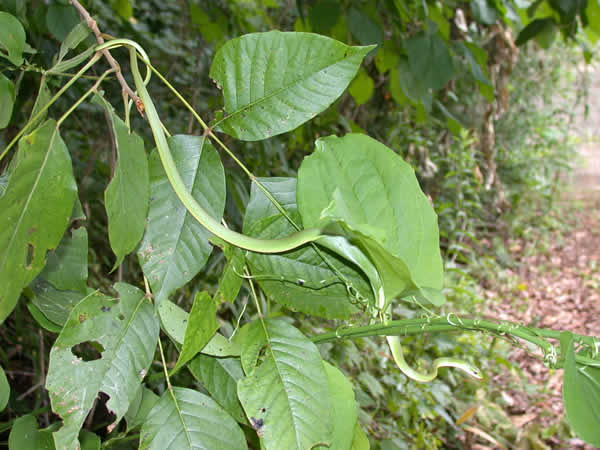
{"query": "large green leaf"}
(273, 82)
(12, 38)
(126, 197)
(7, 100)
(375, 195)
(175, 246)
(67, 266)
(36, 208)
(200, 328)
(230, 282)
(124, 330)
(429, 60)
(581, 394)
(299, 279)
(219, 376)
(287, 397)
(188, 419)
(174, 320)
(345, 409)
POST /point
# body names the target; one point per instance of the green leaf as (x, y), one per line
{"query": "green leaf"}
(344, 407)
(175, 246)
(359, 439)
(361, 87)
(287, 396)
(67, 266)
(387, 57)
(581, 394)
(123, 8)
(89, 440)
(42, 176)
(201, 327)
(273, 82)
(230, 281)
(484, 12)
(60, 20)
(188, 419)
(124, 331)
(174, 320)
(43, 98)
(23, 433)
(12, 38)
(7, 100)
(299, 279)
(140, 407)
(363, 28)
(76, 60)
(54, 304)
(323, 15)
(429, 60)
(4, 390)
(376, 197)
(534, 28)
(126, 197)
(219, 376)
(73, 39)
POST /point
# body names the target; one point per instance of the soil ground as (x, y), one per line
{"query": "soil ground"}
(557, 288)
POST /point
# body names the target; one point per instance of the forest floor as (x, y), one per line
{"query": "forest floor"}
(556, 284)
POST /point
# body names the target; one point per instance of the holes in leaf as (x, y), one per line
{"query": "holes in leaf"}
(29, 256)
(88, 350)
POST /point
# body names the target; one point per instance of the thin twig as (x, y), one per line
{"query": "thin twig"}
(89, 20)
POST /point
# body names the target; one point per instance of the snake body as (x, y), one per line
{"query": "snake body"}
(280, 245)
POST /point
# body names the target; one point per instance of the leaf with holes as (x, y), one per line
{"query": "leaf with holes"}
(188, 419)
(175, 246)
(299, 279)
(368, 189)
(126, 197)
(42, 176)
(273, 82)
(286, 396)
(116, 338)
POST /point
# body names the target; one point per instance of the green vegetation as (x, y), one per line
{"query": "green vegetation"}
(371, 156)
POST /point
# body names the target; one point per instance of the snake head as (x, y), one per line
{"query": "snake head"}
(473, 371)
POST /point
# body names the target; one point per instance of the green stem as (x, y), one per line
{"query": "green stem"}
(68, 84)
(454, 323)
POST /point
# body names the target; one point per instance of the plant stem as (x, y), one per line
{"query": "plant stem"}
(62, 90)
(454, 323)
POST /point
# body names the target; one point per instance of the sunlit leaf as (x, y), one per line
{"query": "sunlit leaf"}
(4, 390)
(375, 195)
(273, 82)
(42, 176)
(190, 420)
(124, 331)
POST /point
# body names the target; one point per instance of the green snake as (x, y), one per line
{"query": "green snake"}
(246, 242)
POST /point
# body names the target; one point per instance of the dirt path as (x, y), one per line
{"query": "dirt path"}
(558, 288)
